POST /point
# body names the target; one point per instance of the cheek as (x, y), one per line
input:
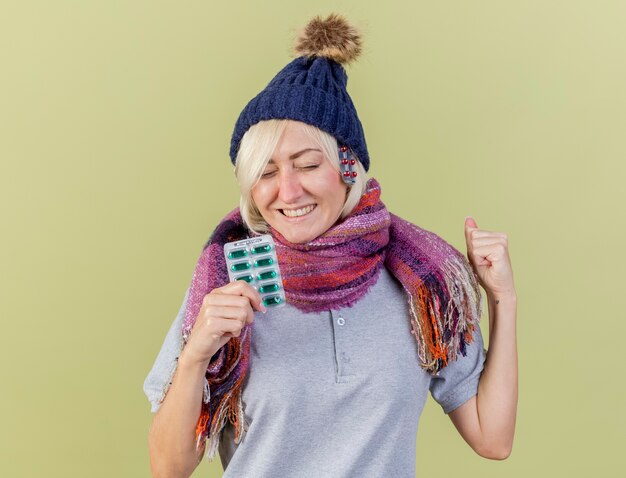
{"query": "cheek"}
(334, 189)
(259, 195)
(330, 180)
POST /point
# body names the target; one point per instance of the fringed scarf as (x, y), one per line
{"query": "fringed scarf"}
(334, 271)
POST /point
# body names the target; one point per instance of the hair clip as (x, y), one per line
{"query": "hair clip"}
(347, 164)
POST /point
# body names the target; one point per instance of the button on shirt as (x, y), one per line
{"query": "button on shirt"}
(332, 394)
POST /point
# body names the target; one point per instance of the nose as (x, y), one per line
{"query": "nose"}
(289, 186)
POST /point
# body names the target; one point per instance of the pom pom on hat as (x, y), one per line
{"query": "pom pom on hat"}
(332, 38)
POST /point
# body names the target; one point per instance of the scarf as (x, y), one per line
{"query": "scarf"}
(334, 271)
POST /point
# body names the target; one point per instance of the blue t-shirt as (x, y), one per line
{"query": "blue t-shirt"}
(332, 394)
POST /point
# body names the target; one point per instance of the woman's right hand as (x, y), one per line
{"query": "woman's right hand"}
(224, 313)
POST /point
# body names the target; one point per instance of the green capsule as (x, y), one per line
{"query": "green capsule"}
(268, 261)
(240, 266)
(261, 249)
(273, 300)
(248, 278)
(266, 275)
(273, 287)
(237, 253)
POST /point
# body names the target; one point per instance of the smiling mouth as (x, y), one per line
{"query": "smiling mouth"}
(298, 212)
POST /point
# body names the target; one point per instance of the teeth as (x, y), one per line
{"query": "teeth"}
(298, 212)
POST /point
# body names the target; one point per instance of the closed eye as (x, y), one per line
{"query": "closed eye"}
(306, 167)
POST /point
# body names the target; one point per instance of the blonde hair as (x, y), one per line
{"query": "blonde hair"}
(256, 149)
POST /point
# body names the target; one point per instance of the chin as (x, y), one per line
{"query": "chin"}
(298, 235)
(299, 238)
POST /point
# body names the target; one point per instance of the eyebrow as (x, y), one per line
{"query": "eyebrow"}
(298, 154)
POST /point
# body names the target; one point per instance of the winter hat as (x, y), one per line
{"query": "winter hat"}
(312, 88)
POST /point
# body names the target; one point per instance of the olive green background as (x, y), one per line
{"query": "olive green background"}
(115, 123)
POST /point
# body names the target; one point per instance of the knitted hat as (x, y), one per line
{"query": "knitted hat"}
(312, 88)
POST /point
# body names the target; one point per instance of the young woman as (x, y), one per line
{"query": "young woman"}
(379, 311)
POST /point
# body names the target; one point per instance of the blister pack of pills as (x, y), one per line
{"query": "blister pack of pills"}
(254, 260)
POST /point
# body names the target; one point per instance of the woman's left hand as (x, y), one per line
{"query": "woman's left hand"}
(488, 253)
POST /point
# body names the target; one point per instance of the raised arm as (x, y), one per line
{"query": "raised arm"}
(487, 421)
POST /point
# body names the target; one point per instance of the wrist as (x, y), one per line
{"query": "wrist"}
(189, 361)
(509, 297)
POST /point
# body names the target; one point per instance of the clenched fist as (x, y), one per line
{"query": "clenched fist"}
(488, 253)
